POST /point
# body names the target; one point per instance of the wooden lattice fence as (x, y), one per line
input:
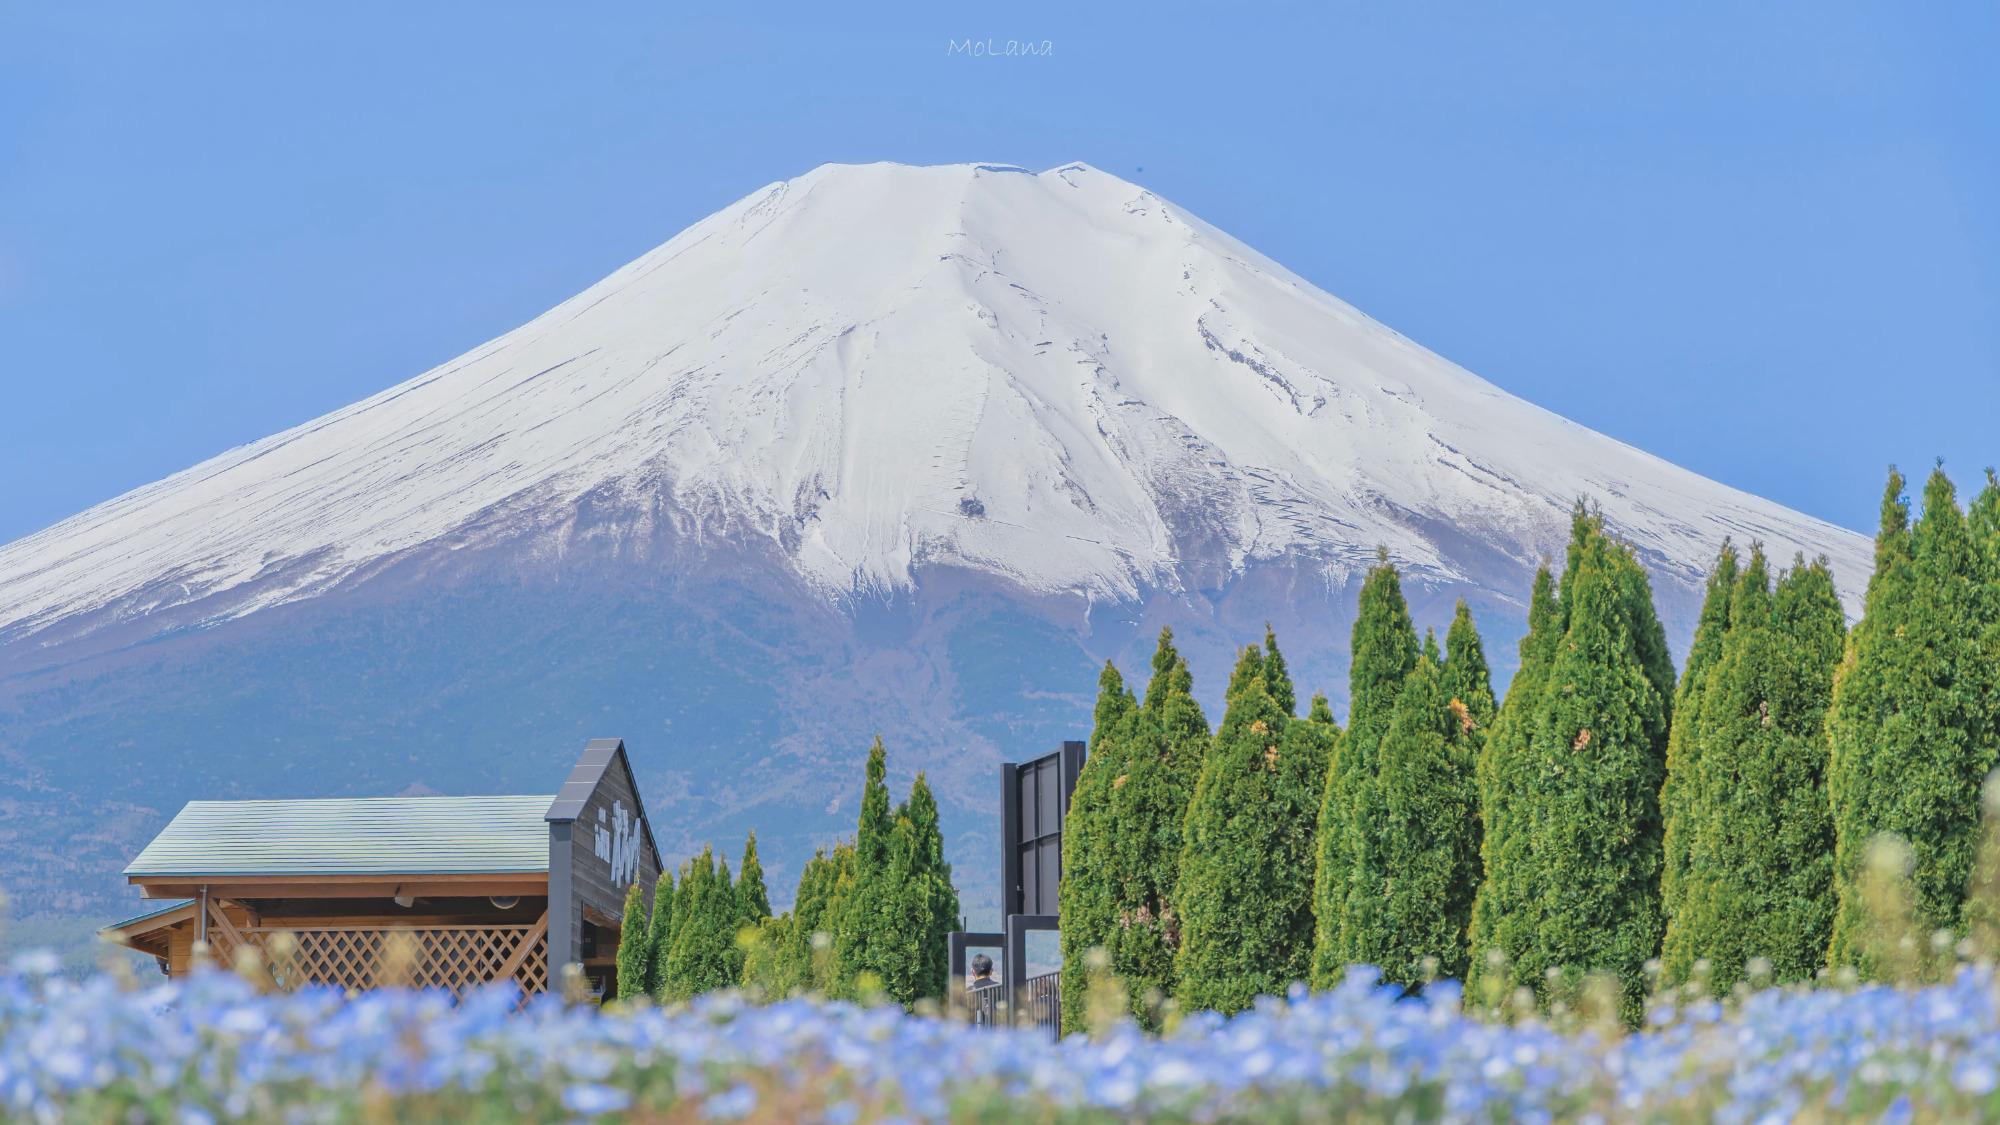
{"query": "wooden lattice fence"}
(456, 959)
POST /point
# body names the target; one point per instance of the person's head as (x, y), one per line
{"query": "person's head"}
(982, 965)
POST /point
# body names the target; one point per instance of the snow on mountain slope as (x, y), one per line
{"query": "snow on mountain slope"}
(1059, 377)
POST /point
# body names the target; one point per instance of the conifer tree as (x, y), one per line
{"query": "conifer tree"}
(1597, 757)
(901, 964)
(1245, 892)
(1276, 676)
(1649, 640)
(1982, 519)
(877, 821)
(921, 907)
(660, 936)
(1418, 862)
(704, 949)
(1467, 678)
(834, 975)
(753, 903)
(815, 910)
(1864, 702)
(861, 932)
(747, 904)
(1170, 738)
(1503, 912)
(1321, 711)
(1305, 757)
(1249, 669)
(1915, 723)
(1160, 674)
(1087, 897)
(809, 904)
(1142, 872)
(1185, 736)
(1704, 653)
(1759, 876)
(1384, 652)
(635, 948)
(769, 972)
(928, 889)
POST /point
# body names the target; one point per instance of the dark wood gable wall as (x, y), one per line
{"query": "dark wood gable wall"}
(600, 843)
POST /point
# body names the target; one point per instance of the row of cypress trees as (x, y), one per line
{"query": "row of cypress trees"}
(1799, 744)
(1914, 725)
(1570, 779)
(686, 943)
(1609, 813)
(871, 918)
(1123, 839)
(1749, 830)
(1215, 866)
(1246, 889)
(873, 914)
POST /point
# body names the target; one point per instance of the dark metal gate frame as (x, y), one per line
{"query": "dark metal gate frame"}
(987, 1007)
(1021, 1001)
(1037, 1000)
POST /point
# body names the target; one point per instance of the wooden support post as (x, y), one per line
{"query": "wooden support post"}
(222, 922)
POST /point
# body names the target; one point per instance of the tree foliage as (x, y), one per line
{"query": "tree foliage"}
(753, 902)
(1088, 896)
(1758, 880)
(635, 946)
(1597, 757)
(1149, 811)
(1130, 808)
(925, 902)
(702, 956)
(1604, 814)
(1384, 654)
(1570, 779)
(1467, 678)
(1682, 746)
(660, 937)
(810, 963)
(1245, 890)
(863, 921)
(769, 971)
(1915, 721)
(859, 926)
(1417, 864)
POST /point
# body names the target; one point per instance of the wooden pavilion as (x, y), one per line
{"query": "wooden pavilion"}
(480, 888)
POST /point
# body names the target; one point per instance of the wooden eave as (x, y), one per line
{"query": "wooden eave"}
(147, 933)
(316, 885)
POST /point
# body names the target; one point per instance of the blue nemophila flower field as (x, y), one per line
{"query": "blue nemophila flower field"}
(215, 1049)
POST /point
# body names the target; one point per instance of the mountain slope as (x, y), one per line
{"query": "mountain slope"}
(880, 449)
(1060, 379)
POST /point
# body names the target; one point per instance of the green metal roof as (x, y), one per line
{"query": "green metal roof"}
(365, 836)
(135, 919)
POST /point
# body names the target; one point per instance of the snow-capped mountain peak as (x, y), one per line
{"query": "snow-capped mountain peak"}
(1057, 377)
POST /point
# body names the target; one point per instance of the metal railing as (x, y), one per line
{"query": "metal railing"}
(984, 1006)
(1035, 1002)
(1042, 1004)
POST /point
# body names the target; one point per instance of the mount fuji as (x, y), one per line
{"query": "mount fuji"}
(880, 448)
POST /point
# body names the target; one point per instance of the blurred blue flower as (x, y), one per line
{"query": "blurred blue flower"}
(592, 1099)
(210, 1048)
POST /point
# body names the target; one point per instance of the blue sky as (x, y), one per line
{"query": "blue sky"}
(1761, 240)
